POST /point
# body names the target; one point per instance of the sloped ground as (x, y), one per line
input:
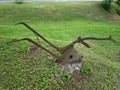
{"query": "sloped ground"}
(60, 23)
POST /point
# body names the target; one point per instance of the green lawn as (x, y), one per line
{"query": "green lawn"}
(60, 23)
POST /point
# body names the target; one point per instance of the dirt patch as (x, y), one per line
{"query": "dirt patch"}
(79, 76)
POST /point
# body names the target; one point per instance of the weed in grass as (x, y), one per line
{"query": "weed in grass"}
(85, 69)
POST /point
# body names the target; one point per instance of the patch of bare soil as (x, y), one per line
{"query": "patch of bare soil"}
(112, 17)
(79, 76)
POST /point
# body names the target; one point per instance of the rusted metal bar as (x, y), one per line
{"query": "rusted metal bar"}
(30, 40)
(35, 32)
(81, 40)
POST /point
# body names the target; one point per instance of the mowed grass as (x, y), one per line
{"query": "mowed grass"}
(60, 23)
